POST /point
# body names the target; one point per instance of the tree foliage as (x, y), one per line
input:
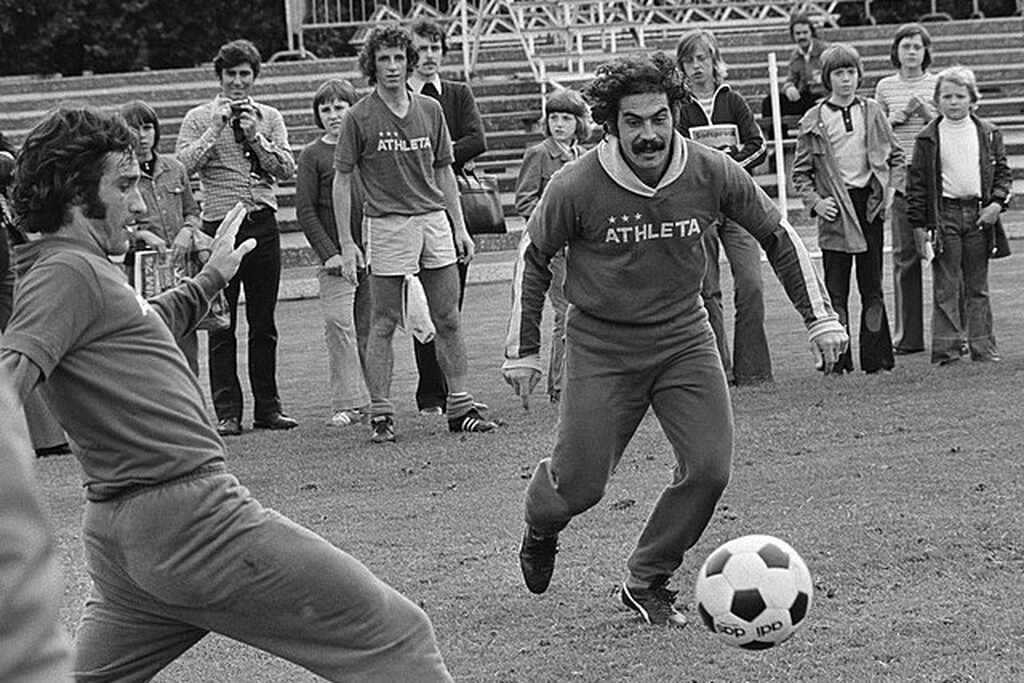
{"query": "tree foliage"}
(72, 36)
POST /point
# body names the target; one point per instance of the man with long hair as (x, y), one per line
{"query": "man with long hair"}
(466, 129)
(398, 142)
(632, 212)
(176, 547)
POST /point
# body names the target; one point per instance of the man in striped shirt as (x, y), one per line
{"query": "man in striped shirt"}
(632, 213)
(240, 150)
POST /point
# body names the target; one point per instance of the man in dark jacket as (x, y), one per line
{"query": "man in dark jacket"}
(802, 87)
(466, 129)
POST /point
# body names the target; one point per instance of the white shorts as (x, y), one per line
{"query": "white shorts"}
(401, 245)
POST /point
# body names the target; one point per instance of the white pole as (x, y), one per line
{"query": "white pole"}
(464, 18)
(289, 23)
(780, 162)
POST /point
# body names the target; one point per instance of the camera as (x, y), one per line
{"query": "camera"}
(239, 107)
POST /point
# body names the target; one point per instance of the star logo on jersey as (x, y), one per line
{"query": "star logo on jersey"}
(392, 141)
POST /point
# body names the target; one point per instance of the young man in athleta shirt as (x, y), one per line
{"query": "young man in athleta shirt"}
(400, 145)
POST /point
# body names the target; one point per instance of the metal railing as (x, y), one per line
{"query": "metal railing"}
(473, 24)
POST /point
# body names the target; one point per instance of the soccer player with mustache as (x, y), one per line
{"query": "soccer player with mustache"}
(631, 213)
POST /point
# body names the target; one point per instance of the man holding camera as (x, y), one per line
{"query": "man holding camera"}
(240, 150)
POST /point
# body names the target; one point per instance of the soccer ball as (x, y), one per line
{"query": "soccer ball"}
(754, 592)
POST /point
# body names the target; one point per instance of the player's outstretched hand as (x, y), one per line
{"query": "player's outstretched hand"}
(523, 380)
(828, 347)
(225, 257)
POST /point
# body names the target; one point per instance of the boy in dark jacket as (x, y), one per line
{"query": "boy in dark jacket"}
(959, 183)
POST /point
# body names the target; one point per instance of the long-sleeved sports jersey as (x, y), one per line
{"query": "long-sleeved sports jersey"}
(635, 254)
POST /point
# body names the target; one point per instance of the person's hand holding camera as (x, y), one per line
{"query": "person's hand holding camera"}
(221, 116)
(243, 120)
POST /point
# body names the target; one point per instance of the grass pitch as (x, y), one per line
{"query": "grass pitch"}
(902, 492)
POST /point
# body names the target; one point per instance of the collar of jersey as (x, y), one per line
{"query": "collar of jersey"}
(610, 156)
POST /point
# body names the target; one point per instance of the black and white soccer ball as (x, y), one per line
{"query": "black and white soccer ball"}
(754, 592)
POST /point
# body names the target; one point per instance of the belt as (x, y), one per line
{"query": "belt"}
(962, 202)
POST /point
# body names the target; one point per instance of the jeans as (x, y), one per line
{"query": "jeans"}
(875, 341)
(260, 274)
(961, 270)
(344, 362)
(908, 318)
(751, 362)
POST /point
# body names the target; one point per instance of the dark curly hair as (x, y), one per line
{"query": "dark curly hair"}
(237, 52)
(61, 163)
(390, 35)
(631, 76)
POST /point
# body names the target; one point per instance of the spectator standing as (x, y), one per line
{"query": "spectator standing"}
(847, 161)
(803, 86)
(958, 185)
(709, 100)
(239, 148)
(907, 98)
(175, 546)
(565, 125)
(466, 130)
(398, 142)
(172, 213)
(344, 301)
(632, 212)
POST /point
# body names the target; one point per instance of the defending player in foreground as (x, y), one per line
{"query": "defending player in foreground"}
(632, 211)
(175, 546)
(33, 646)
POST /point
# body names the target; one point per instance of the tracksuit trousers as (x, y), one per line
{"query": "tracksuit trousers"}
(613, 374)
(172, 562)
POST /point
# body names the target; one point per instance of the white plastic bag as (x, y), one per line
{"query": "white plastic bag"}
(415, 312)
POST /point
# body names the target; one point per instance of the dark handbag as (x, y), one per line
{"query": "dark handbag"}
(481, 203)
(996, 241)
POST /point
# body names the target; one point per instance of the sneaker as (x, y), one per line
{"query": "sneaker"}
(344, 418)
(432, 410)
(229, 426)
(382, 428)
(655, 605)
(470, 422)
(537, 559)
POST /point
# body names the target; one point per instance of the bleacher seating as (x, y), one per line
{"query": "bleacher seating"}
(510, 99)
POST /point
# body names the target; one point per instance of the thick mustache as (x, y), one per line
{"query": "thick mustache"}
(644, 146)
